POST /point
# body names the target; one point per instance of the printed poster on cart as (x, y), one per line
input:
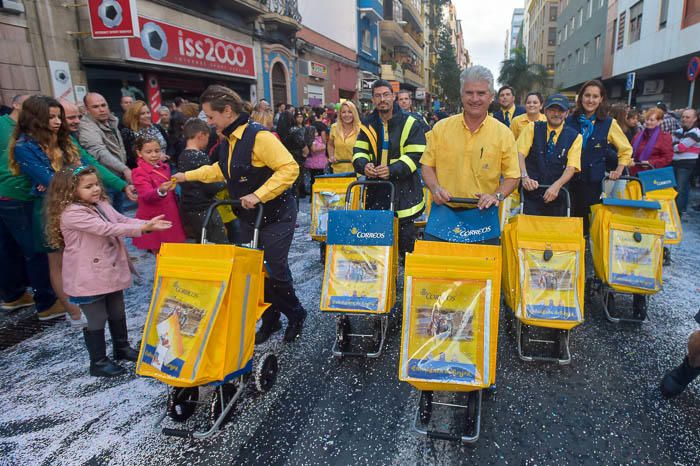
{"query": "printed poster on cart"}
(183, 306)
(448, 329)
(549, 286)
(325, 201)
(634, 263)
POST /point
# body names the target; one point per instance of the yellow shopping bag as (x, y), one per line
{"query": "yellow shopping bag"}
(544, 270)
(200, 327)
(449, 336)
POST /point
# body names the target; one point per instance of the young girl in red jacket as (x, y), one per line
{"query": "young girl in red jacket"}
(156, 193)
(96, 267)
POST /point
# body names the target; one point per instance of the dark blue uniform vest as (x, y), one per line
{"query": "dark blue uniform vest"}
(242, 178)
(593, 156)
(548, 170)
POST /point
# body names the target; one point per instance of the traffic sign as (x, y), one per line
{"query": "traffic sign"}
(693, 67)
(631, 77)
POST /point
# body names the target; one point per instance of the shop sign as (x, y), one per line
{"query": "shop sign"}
(318, 70)
(154, 98)
(420, 93)
(166, 44)
(395, 86)
(367, 84)
(61, 80)
(113, 19)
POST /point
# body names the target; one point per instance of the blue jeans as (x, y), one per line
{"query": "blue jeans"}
(18, 257)
(683, 171)
(117, 200)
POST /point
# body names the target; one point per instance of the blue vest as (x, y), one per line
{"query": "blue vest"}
(547, 171)
(242, 178)
(593, 156)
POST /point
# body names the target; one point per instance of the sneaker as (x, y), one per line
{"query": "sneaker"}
(23, 301)
(54, 312)
(80, 322)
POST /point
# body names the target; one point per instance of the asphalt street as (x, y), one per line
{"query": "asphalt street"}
(603, 408)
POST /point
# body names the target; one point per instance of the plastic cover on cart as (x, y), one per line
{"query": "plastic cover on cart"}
(450, 322)
(360, 262)
(200, 327)
(660, 185)
(329, 194)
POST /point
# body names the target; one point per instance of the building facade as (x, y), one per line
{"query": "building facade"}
(183, 47)
(581, 28)
(655, 39)
(516, 23)
(327, 47)
(541, 37)
(369, 14)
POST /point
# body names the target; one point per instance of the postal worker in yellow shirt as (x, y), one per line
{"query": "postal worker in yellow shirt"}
(257, 169)
(471, 154)
(549, 154)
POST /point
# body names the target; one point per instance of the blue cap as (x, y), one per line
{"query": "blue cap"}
(558, 100)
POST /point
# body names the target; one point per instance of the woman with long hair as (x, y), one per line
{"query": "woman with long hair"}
(137, 123)
(342, 138)
(533, 113)
(601, 134)
(41, 146)
(257, 169)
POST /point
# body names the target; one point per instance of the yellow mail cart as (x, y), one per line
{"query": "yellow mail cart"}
(544, 279)
(328, 193)
(360, 273)
(449, 336)
(200, 329)
(627, 239)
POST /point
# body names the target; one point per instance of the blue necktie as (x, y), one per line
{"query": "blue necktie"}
(506, 117)
(550, 145)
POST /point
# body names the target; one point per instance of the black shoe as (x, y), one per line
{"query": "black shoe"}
(120, 341)
(100, 364)
(294, 329)
(265, 332)
(675, 381)
(667, 257)
(639, 306)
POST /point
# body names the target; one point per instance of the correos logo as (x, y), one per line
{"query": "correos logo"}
(467, 233)
(211, 50)
(367, 235)
(661, 182)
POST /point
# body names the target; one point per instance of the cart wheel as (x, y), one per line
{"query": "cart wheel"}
(266, 372)
(425, 406)
(229, 391)
(563, 337)
(610, 303)
(182, 403)
(342, 332)
(468, 427)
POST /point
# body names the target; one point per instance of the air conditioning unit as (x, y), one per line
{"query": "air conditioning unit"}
(304, 67)
(653, 86)
(12, 6)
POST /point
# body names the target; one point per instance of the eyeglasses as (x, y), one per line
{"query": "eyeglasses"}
(385, 96)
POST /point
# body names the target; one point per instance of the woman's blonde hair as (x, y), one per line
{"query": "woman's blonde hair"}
(264, 117)
(355, 115)
(61, 194)
(657, 112)
(133, 115)
(219, 97)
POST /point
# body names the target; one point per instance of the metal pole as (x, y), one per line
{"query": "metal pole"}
(629, 98)
(690, 95)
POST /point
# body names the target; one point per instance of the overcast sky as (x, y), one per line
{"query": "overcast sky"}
(484, 23)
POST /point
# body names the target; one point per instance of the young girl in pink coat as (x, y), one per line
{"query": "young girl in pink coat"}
(156, 196)
(96, 267)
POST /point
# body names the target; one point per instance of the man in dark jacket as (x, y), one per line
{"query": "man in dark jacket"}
(507, 109)
(389, 147)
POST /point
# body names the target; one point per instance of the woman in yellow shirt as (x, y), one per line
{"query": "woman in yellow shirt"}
(342, 138)
(533, 112)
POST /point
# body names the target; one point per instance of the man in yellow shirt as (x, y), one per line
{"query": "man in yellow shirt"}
(471, 154)
(549, 155)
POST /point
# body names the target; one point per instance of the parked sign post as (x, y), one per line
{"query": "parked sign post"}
(693, 69)
(629, 86)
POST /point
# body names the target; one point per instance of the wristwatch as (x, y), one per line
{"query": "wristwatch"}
(499, 196)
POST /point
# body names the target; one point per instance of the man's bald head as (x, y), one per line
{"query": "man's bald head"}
(72, 115)
(96, 106)
(689, 118)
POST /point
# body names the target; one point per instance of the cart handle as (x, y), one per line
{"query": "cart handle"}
(348, 192)
(464, 200)
(234, 203)
(645, 164)
(623, 178)
(545, 186)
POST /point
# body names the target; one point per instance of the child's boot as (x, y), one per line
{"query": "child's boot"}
(100, 364)
(120, 341)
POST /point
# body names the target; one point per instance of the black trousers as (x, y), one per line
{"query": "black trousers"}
(407, 236)
(583, 196)
(275, 239)
(533, 204)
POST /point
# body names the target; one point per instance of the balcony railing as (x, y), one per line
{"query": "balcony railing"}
(285, 8)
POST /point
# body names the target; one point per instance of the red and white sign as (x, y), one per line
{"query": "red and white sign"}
(153, 93)
(113, 19)
(165, 44)
(318, 70)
